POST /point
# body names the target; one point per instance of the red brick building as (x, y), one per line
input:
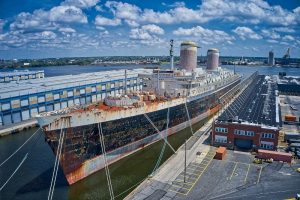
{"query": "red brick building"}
(244, 135)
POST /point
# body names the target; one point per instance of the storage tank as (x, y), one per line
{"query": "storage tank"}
(212, 59)
(188, 55)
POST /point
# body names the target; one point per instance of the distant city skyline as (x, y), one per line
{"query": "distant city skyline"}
(84, 28)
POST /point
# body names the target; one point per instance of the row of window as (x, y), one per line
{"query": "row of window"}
(221, 130)
(266, 146)
(220, 139)
(268, 135)
(21, 77)
(243, 132)
(17, 103)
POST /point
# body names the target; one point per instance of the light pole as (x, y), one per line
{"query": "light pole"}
(184, 160)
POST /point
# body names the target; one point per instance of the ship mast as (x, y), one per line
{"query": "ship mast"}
(171, 54)
(125, 81)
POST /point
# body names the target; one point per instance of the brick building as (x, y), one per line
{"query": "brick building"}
(252, 120)
(244, 135)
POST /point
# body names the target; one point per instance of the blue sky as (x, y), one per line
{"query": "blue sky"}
(52, 28)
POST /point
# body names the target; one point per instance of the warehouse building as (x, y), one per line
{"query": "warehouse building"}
(23, 100)
(18, 75)
(251, 121)
(289, 85)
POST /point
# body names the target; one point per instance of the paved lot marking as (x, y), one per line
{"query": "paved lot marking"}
(233, 170)
(259, 174)
(188, 177)
(199, 176)
(196, 167)
(182, 186)
(198, 171)
(191, 176)
(191, 173)
(177, 192)
(188, 183)
(247, 173)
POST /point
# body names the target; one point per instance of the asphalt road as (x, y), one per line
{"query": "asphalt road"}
(237, 177)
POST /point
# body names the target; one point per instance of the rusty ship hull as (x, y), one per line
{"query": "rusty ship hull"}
(81, 150)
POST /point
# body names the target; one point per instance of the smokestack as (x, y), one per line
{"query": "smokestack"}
(212, 59)
(188, 55)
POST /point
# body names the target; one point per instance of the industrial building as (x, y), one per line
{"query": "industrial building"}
(18, 75)
(251, 121)
(271, 59)
(24, 99)
(212, 59)
(289, 85)
(188, 56)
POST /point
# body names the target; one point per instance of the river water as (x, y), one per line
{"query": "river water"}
(32, 180)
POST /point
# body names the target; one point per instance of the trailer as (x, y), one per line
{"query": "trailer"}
(290, 118)
(220, 153)
(275, 155)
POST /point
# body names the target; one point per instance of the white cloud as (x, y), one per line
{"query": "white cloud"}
(284, 43)
(147, 35)
(241, 11)
(245, 32)
(2, 23)
(146, 32)
(151, 28)
(284, 29)
(272, 41)
(206, 36)
(67, 14)
(288, 38)
(139, 34)
(103, 21)
(131, 23)
(67, 30)
(124, 10)
(81, 3)
(270, 34)
(99, 8)
(46, 35)
(48, 20)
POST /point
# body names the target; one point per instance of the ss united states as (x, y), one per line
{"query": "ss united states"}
(88, 138)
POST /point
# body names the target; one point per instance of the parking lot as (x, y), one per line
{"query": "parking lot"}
(285, 105)
(237, 177)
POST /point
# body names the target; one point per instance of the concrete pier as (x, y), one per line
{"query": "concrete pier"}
(15, 128)
(168, 180)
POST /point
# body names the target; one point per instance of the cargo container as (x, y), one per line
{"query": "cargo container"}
(275, 155)
(220, 153)
(290, 118)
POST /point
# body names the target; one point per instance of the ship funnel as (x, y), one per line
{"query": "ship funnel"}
(212, 59)
(188, 55)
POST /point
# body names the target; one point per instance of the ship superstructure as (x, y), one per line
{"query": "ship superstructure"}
(134, 119)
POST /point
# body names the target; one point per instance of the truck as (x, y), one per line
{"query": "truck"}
(275, 155)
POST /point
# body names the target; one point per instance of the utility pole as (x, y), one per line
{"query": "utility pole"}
(184, 160)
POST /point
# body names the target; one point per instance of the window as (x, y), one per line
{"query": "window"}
(266, 146)
(239, 132)
(221, 130)
(243, 132)
(220, 139)
(268, 135)
(250, 133)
